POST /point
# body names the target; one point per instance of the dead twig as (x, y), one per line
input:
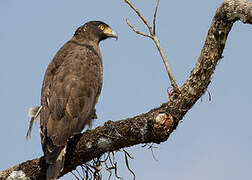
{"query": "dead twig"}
(140, 15)
(209, 95)
(127, 163)
(151, 147)
(136, 31)
(152, 35)
(154, 19)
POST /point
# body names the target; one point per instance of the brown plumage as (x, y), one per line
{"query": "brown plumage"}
(71, 86)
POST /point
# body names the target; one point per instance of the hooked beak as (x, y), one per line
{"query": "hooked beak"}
(110, 33)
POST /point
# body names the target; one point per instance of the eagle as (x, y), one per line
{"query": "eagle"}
(71, 87)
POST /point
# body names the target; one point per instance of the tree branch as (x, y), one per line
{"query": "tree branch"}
(136, 31)
(156, 125)
(153, 36)
(154, 18)
(140, 16)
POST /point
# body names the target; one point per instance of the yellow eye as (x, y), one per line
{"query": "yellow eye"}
(101, 27)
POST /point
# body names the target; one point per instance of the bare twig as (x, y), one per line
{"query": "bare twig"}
(136, 31)
(128, 154)
(154, 19)
(153, 36)
(108, 169)
(209, 95)
(140, 15)
(153, 155)
(167, 66)
(151, 147)
(127, 163)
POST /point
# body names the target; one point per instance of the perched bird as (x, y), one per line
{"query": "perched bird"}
(71, 87)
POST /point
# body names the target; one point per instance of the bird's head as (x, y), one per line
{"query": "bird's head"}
(95, 30)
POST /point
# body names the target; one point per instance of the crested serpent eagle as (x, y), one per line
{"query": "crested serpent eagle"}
(71, 86)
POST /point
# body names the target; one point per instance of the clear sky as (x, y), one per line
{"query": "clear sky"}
(214, 140)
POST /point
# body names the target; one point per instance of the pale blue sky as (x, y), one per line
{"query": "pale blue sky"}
(214, 140)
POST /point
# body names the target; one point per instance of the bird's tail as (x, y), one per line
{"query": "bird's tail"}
(56, 165)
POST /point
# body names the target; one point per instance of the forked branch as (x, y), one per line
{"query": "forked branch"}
(152, 35)
(136, 31)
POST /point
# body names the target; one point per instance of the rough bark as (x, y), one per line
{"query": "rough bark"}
(156, 125)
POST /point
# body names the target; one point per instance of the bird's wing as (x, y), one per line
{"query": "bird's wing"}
(70, 92)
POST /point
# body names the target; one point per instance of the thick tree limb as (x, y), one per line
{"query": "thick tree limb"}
(156, 125)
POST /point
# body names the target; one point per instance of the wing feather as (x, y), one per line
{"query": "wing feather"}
(72, 84)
